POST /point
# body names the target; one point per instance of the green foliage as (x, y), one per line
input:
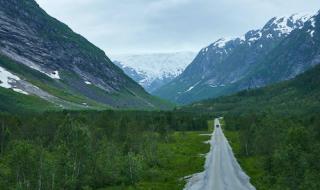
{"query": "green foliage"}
(18, 103)
(278, 152)
(70, 91)
(94, 150)
(274, 131)
(296, 96)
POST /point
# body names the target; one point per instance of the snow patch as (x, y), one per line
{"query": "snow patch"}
(313, 25)
(282, 25)
(157, 66)
(269, 36)
(7, 80)
(256, 37)
(216, 86)
(311, 32)
(303, 17)
(313, 22)
(192, 87)
(27, 62)
(213, 86)
(54, 75)
(242, 38)
(221, 43)
(286, 24)
(20, 91)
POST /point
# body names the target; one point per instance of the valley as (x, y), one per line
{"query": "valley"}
(242, 114)
(281, 50)
(153, 71)
(221, 169)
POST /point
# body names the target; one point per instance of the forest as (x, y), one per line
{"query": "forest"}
(96, 150)
(277, 151)
(274, 131)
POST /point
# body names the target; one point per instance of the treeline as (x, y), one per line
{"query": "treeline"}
(86, 150)
(279, 131)
(287, 148)
(298, 96)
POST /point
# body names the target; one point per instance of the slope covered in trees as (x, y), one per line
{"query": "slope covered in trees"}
(94, 150)
(276, 131)
(300, 95)
(281, 50)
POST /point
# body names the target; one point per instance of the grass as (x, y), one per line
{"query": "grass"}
(74, 99)
(181, 156)
(57, 89)
(210, 125)
(250, 164)
(18, 103)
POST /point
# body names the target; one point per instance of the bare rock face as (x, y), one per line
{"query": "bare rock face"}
(30, 37)
(274, 53)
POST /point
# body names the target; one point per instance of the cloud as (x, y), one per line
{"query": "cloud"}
(133, 26)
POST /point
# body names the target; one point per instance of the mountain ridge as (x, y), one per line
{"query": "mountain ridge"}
(73, 68)
(153, 70)
(301, 91)
(223, 67)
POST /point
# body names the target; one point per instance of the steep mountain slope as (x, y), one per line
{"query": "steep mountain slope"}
(58, 65)
(18, 103)
(294, 55)
(301, 94)
(154, 70)
(225, 66)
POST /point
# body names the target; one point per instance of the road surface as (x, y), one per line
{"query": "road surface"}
(222, 171)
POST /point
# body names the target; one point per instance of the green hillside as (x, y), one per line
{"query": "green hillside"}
(63, 66)
(18, 103)
(300, 95)
(274, 131)
(242, 64)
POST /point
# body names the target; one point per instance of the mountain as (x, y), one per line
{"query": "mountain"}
(277, 124)
(253, 60)
(40, 56)
(154, 70)
(301, 94)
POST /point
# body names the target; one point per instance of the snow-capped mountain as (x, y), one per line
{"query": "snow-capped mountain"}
(228, 65)
(154, 70)
(40, 56)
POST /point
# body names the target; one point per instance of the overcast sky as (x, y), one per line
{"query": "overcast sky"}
(145, 26)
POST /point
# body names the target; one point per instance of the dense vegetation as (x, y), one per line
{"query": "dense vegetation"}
(297, 96)
(18, 103)
(278, 152)
(275, 131)
(97, 150)
(63, 96)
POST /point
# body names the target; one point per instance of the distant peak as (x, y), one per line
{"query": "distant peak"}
(221, 43)
(284, 25)
(301, 16)
(275, 28)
